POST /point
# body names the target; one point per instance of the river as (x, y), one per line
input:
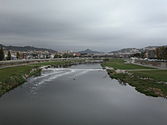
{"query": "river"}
(79, 95)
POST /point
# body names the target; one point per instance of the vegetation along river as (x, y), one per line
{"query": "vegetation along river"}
(79, 95)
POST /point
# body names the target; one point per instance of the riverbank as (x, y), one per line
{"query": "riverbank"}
(12, 77)
(149, 81)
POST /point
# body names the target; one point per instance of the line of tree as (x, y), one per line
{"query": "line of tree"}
(9, 57)
(158, 53)
(65, 55)
(2, 55)
(18, 55)
(57, 56)
(139, 55)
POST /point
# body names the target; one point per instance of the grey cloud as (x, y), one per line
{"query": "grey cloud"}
(80, 24)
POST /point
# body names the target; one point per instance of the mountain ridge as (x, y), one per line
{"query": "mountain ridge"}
(89, 51)
(26, 48)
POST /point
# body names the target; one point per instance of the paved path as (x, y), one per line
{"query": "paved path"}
(144, 69)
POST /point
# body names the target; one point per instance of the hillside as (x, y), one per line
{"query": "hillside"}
(88, 51)
(26, 48)
(128, 50)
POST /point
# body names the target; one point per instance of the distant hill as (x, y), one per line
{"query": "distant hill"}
(127, 50)
(134, 50)
(88, 51)
(151, 47)
(26, 48)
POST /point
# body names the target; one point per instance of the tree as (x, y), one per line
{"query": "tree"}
(2, 55)
(17, 55)
(161, 52)
(9, 57)
(66, 55)
(139, 55)
(57, 56)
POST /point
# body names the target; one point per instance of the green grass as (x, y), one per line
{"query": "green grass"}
(159, 75)
(6, 73)
(149, 82)
(14, 76)
(121, 64)
(52, 63)
(148, 87)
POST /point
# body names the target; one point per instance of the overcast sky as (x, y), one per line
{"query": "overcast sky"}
(103, 25)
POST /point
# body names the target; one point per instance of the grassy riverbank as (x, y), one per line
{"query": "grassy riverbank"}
(14, 76)
(121, 64)
(159, 75)
(150, 82)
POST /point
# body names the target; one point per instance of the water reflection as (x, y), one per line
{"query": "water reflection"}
(79, 95)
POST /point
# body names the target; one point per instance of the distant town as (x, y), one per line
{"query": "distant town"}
(29, 52)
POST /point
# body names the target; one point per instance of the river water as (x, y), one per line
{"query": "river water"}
(79, 95)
